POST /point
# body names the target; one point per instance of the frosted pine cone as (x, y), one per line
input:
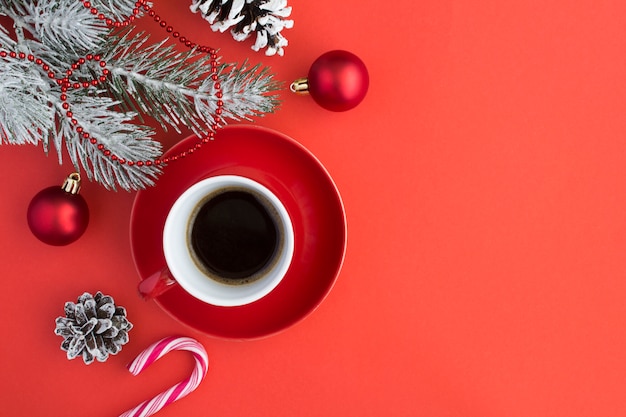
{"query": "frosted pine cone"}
(93, 327)
(266, 18)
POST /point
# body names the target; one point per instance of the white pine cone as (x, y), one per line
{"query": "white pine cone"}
(245, 17)
(93, 327)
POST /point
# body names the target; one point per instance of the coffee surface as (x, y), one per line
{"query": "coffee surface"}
(233, 235)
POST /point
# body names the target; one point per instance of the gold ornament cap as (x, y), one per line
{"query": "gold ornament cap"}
(72, 183)
(300, 86)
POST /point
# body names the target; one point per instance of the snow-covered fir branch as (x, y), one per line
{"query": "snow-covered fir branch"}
(146, 80)
(114, 130)
(66, 25)
(170, 85)
(246, 88)
(24, 104)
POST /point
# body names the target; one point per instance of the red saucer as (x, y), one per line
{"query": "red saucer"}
(310, 196)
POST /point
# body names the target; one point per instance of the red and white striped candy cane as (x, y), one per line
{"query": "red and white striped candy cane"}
(152, 354)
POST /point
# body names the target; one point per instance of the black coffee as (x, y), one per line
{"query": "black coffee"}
(234, 235)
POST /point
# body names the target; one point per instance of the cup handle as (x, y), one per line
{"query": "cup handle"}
(156, 284)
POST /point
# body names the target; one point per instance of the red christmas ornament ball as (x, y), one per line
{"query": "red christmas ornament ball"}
(57, 217)
(338, 80)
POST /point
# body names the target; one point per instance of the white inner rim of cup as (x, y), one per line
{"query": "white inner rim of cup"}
(182, 265)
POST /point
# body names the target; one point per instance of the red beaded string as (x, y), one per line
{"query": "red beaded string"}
(66, 84)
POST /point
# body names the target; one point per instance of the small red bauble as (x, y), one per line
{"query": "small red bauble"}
(57, 215)
(337, 80)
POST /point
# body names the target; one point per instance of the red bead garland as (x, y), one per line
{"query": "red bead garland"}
(66, 85)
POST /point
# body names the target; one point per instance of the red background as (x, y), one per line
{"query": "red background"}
(484, 183)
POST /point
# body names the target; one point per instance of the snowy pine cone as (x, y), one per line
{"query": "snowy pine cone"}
(93, 327)
(245, 17)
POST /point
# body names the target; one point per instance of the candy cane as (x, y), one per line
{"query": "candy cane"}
(152, 354)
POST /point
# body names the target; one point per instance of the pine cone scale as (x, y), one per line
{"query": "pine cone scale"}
(111, 333)
(70, 310)
(111, 347)
(106, 311)
(121, 338)
(90, 308)
(89, 326)
(81, 317)
(103, 325)
(120, 322)
(76, 346)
